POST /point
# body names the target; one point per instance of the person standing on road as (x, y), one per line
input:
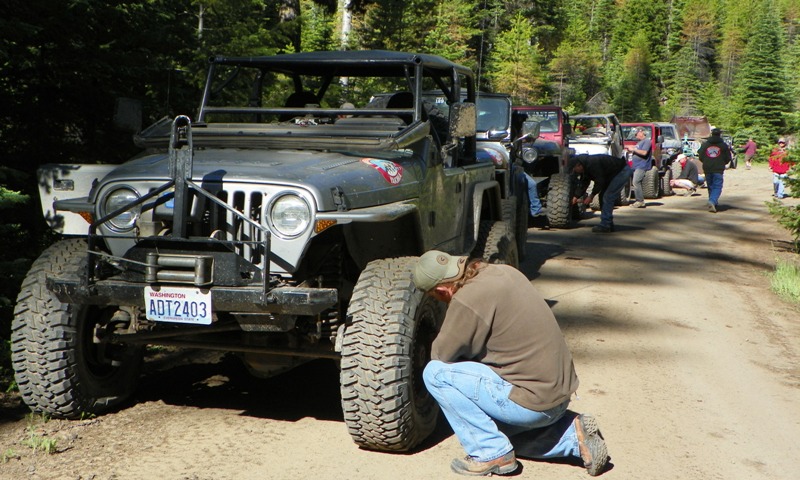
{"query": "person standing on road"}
(642, 161)
(688, 178)
(780, 168)
(749, 149)
(500, 366)
(610, 175)
(714, 154)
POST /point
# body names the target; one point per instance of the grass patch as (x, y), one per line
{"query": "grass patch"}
(786, 281)
(37, 441)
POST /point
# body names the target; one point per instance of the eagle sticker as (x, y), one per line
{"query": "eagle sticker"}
(713, 152)
(390, 171)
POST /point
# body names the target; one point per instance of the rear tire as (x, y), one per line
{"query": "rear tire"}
(387, 342)
(60, 370)
(496, 244)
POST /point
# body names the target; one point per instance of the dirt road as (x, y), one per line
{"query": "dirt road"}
(689, 362)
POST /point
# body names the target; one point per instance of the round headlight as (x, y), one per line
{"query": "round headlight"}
(290, 215)
(118, 199)
(529, 155)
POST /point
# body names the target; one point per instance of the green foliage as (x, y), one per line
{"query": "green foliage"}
(786, 215)
(761, 86)
(576, 67)
(318, 27)
(515, 67)
(633, 95)
(35, 440)
(785, 281)
(8, 455)
(455, 27)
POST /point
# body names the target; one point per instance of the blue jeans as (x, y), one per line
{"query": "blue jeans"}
(533, 195)
(611, 194)
(714, 184)
(475, 402)
(777, 184)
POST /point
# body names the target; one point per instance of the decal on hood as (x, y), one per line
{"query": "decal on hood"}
(390, 171)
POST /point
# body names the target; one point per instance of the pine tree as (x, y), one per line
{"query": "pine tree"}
(576, 67)
(762, 87)
(456, 24)
(634, 96)
(515, 64)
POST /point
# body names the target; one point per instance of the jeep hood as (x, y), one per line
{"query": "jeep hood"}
(364, 180)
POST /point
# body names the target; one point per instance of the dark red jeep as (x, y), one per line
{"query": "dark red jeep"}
(545, 158)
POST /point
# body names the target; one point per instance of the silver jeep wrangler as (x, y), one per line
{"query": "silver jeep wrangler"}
(280, 224)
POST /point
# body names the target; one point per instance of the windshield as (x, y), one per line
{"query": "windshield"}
(668, 133)
(629, 133)
(547, 119)
(590, 126)
(493, 112)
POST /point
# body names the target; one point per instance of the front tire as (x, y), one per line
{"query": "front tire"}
(391, 326)
(651, 184)
(60, 370)
(559, 201)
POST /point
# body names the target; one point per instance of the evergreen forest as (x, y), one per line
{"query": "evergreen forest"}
(65, 64)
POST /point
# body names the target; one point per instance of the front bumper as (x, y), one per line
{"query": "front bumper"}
(250, 299)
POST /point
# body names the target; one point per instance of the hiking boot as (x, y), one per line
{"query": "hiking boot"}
(594, 452)
(602, 229)
(471, 466)
(712, 208)
(638, 205)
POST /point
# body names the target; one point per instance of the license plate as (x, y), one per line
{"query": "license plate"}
(178, 304)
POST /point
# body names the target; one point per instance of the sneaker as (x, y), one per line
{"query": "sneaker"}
(638, 205)
(602, 229)
(686, 192)
(470, 466)
(594, 452)
(712, 208)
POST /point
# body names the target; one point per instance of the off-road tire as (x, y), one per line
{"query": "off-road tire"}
(559, 201)
(666, 188)
(58, 368)
(496, 244)
(517, 208)
(386, 345)
(651, 184)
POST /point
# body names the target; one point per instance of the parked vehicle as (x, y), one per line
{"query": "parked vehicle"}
(282, 231)
(493, 135)
(596, 134)
(547, 158)
(657, 180)
(671, 146)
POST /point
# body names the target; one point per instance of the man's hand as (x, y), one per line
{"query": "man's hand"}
(588, 200)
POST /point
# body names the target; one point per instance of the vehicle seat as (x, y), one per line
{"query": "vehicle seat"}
(402, 100)
(297, 100)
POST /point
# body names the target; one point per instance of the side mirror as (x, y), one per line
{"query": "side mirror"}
(567, 129)
(463, 120)
(660, 139)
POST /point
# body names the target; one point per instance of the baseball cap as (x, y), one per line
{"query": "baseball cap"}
(716, 131)
(781, 140)
(681, 157)
(435, 267)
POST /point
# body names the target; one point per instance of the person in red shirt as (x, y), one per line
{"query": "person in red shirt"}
(780, 167)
